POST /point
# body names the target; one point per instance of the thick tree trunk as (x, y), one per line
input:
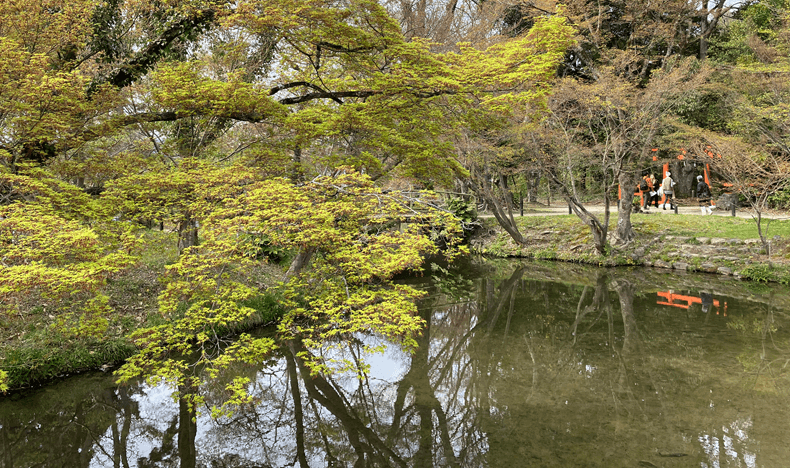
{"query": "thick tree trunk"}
(301, 260)
(187, 234)
(684, 174)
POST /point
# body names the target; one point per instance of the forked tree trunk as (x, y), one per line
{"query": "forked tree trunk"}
(501, 205)
(599, 230)
(624, 233)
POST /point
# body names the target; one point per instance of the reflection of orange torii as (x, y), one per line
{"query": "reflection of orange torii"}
(672, 297)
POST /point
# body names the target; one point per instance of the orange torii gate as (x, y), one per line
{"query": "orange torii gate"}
(664, 170)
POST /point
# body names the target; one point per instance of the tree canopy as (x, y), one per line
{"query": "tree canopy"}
(239, 125)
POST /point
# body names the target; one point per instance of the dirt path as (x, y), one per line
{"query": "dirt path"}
(689, 207)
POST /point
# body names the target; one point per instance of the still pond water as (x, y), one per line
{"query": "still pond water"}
(521, 364)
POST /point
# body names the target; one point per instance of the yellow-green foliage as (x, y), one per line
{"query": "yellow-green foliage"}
(342, 72)
(49, 253)
(349, 224)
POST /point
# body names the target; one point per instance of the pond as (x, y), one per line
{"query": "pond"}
(521, 364)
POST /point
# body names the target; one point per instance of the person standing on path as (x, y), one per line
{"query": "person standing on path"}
(653, 184)
(703, 195)
(667, 186)
(645, 188)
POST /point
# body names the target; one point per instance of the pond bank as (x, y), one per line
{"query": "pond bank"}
(667, 242)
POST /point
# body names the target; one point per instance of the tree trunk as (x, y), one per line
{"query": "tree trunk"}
(187, 234)
(297, 171)
(501, 206)
(301, 260)
(684, 175)
(599, 230)
(763, 237)
(624, 233)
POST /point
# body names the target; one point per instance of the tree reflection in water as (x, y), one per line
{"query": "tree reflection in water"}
(536, 368)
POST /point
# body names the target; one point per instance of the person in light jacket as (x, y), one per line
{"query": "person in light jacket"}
(667, 185)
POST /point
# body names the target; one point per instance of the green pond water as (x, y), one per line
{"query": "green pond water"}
(521, 364)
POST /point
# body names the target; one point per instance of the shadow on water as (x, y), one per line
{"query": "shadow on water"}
(520, 364)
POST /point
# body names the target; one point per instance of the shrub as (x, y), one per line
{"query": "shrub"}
(759, 272)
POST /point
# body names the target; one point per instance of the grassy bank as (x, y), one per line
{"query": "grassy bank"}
(666, 241)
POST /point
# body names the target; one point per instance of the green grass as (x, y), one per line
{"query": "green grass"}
(566, 238)
(677, 225)
(710, 226)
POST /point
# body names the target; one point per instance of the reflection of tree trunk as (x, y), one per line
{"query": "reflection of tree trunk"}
(6, 455)
(128, 404)
(600, 303)
(120, 438)
(370, 449)
(510, 311)
(579, 314)
(187, 430)
(425, 402)
(494, 306)
(298, 412)
(625, 291)
(83, 433)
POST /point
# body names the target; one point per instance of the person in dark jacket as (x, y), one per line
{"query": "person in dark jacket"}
(703, 196)
(653, 183)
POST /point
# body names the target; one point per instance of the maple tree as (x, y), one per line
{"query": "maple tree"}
(169, 128)
(347, 222)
